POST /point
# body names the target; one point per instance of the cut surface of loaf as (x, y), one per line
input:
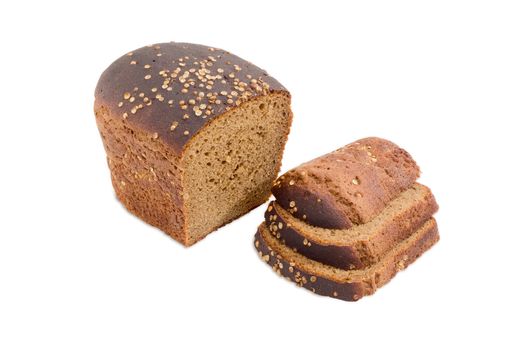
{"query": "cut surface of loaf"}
(361, 245)
(194, 135)
(349, 285)
(348, 186)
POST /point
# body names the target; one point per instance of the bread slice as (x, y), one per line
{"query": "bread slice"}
(194, 135)
(349, 186)
(337, 283)
(361, 245)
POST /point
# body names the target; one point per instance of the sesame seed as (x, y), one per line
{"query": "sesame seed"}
(292, 204)
(280, 225)
(125, 115)
(147, 66)
(186, 132)
(126, 95)
(120, 104)
(173, 125)
(291, 182)
(132, 99)
(356, 181)
(155, 135)
(313, 278)
(148, 76)
(133, 62)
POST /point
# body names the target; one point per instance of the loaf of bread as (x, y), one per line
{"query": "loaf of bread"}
(193, 135)
(348, 186)
(350, 243)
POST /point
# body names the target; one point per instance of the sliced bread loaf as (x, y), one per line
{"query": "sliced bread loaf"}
(360, 245)
(349, 186)
(349, 285)
(180, 124)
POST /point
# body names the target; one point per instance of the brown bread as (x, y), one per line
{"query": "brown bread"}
(361, 245)
(349, 186)
(349, 285)
(180, 124)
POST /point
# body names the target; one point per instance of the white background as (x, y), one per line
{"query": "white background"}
(78, 272)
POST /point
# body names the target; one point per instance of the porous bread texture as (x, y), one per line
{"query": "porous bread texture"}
(348, 186)
(224, 171)
(349, 285)
(230, 166)
(361, 245)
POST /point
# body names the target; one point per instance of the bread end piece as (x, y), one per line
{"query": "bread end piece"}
(348, 186)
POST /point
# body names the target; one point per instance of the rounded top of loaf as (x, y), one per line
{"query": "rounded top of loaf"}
(348, 186)
(171, 90)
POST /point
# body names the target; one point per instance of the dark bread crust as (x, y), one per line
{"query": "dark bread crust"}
(359, 252)
(345, 290)
(223, 79)
(311, 199)
(348, 186)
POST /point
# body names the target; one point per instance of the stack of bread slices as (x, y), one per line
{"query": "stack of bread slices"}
(342, 225)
